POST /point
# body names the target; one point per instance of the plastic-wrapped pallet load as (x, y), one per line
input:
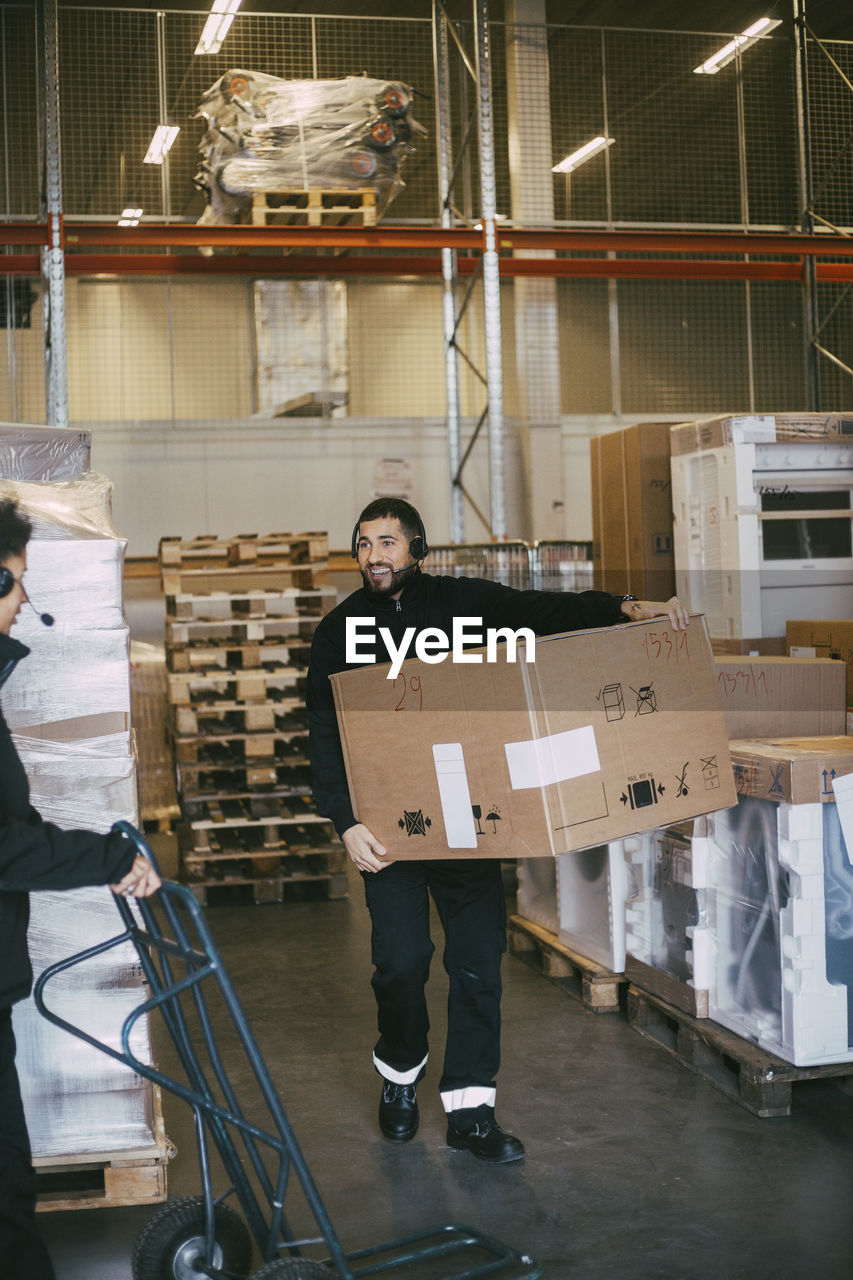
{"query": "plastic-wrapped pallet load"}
(42, 453)
(69, 708)
(265, 134)
(782, 902)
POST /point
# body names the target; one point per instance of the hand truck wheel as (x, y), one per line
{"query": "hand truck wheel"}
(294, 1269)
(171, 1244)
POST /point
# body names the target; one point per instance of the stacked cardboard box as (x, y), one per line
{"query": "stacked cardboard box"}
(632, 512)
(240, 616)
(68, 707)
(828, 638)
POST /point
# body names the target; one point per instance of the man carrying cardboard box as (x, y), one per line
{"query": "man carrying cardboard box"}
(397, 604)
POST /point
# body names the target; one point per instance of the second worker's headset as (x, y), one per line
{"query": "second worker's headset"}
(7, 582)
(418, 547)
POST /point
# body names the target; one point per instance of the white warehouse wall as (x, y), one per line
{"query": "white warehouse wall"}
(162, 372)
(243, 476)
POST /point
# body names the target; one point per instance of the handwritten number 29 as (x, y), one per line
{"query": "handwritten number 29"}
(412, 690)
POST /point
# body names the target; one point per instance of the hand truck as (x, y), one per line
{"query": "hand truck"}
(201, 1237)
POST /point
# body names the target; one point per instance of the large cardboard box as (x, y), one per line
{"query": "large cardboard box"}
(815, 639)
(632, 512)
(765, 428)
(782, 697)
(608, 732)
(792, 770)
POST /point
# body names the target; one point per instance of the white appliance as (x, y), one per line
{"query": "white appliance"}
(763, 523)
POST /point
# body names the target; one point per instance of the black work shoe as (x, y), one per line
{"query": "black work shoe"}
(487, 1141)
(398, 1111)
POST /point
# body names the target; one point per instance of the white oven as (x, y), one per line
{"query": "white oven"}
(763, 532)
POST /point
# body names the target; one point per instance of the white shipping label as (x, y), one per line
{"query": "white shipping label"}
(843, 788)
(555, 758)
(753, 430)
(802, 651)
(455, 797)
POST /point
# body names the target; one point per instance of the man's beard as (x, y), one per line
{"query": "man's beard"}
(392, 584)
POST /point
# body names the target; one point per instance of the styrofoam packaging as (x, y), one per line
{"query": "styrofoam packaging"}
(537, 892)
(782, 974)
(667, 924)
(37, 453)
(591, 891)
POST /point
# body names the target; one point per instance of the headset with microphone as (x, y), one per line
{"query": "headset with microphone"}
(418, 547)
(7, 582)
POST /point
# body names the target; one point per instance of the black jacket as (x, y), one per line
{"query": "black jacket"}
(37, 855)
(426, 601)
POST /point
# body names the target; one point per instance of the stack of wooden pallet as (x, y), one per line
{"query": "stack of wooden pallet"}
(240, 613)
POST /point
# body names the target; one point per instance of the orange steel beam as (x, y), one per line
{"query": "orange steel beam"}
(678, 242)
(273, 237)
(313, 266)
(388, 236)
(77, 236)
(303, 265)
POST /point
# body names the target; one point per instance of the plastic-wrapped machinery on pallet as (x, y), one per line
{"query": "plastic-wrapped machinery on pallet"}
(270, 135)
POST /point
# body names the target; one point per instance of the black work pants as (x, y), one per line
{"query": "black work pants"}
(469, 899)
(22, 1252)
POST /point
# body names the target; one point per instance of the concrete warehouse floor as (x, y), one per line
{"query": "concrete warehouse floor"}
(636, 1168)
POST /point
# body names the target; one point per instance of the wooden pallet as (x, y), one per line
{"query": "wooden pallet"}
(284, 629)
(679, 994)
(224, 716)
(107, 1179)
(221, 746)
(239, 656)
(241, 579)
(757, 1080)
(237, 889)
(160, 818)
(315, 207)
(255, 823)
(291, 861)
(203, 688)
(248, 549)
(597, 988)
(249, 603)
(198, 783)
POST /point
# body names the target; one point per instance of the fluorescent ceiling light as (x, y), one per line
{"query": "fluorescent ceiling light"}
(164, 136)
(579, 157)
(130, 217)
(730, 51)
(216, 28)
